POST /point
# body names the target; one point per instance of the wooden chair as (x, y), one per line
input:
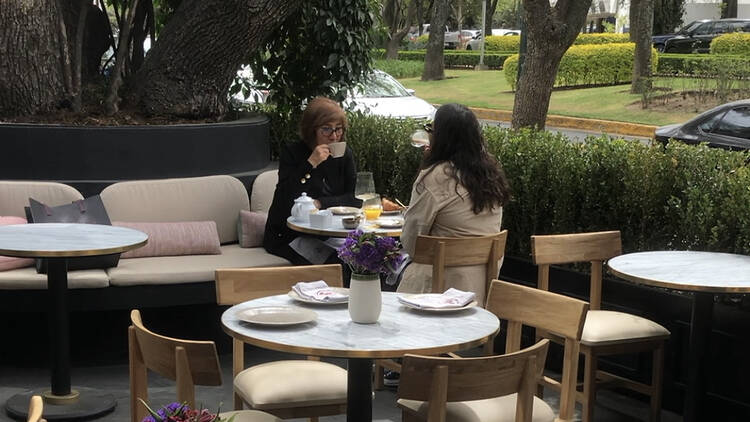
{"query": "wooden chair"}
(445, 252)
(302, 388)
(186, 362)
(605, 332)
(476, 389)
(36, 406)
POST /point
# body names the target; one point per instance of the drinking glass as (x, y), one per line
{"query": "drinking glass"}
(372, 207)
(365, 186)
(420, 139)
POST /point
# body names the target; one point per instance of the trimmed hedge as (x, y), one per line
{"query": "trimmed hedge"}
(453, 58)
(508, 43)
(678, 197)
(604, 38)
(704, 65)
(505, 43)
(735, 43)
(587, 65)
(400, 68)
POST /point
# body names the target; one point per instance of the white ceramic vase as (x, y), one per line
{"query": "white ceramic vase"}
(364, 298)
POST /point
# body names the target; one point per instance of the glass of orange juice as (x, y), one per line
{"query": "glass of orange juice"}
(372, 207)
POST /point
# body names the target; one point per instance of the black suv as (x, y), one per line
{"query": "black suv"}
(697, 39)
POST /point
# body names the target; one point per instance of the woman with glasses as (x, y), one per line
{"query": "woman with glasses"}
(460, 192)
(309, 166)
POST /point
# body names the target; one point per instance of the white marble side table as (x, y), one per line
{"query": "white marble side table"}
(58, 242)
(398, 331)
(702, 273)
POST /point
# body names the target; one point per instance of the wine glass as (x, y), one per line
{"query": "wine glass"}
(365, 186)
(420, 139)
(372, 207)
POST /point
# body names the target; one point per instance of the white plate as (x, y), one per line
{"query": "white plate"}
(277, 315)
(390, 223)
(343, 210)
(460, 308)
(341, 290)
(394, 212)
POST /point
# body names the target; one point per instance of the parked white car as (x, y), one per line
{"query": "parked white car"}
(476, 42)
(382, 95)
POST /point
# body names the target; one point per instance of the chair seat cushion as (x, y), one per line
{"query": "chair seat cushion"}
(28, 279)
(291, 383)
(499, 409)
(610, 327)
(249, 416)
(189, 268)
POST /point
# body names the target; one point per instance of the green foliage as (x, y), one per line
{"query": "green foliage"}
(668, 15)
(504, 43)
(674, 197)
(400, 68)
(735, 43)
(322, 49)
(704, 65)
(604, 38)
(587, 65)
(453, 58)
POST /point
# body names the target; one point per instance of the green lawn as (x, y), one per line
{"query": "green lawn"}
(490, 90)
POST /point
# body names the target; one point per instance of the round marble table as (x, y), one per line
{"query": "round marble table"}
(399, 331)
(58, 242)
(702, 273)
(337, 228)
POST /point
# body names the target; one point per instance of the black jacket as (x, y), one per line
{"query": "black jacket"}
(331, 183)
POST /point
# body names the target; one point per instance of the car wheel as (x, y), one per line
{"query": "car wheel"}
(659, 48)
(468, 47)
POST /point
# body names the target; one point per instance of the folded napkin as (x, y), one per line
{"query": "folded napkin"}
(318, 291)
(452, 298)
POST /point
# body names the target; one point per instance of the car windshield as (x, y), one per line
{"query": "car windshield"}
(380, 85)
(690, 27)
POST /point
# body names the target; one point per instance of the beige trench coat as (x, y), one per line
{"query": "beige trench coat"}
(436, 208)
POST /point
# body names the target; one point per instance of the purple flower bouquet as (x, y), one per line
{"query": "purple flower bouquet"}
(181, 412)
(369, 253)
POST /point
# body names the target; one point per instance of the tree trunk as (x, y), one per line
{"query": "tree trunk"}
(112, 102)
(434, 64)
(550, 31)
(391, 48)
(491, 7)
(31, 79)
(398, 28)
(188, 72)
(643, 23)
(78, 55)
(95, 38)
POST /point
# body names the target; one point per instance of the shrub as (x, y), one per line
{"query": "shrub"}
(704, 65)
(400, 68)
(504, 43)
(604, 38)
(460, 58)
(587, 65)
(734, 43)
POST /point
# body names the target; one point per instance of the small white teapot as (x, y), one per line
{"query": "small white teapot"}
(302, 208)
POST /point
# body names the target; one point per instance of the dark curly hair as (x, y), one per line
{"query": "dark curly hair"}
(457, 138)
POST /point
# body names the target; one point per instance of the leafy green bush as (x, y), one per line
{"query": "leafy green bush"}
(703, 65)
(587, 65)
(678, 197)
(505, 43)
(603, 38)
(400, 68)
(459, 58)
(734, 43)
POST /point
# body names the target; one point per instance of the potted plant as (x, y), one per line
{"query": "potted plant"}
(368, 255)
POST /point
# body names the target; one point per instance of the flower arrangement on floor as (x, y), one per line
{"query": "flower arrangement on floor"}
(181, 412)
(368, 253)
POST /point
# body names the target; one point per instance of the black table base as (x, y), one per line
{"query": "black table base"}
(359, 390)
(91, 402)
(700, 331)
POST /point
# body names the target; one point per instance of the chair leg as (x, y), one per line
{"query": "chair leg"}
(379, 373)
(657, 378)
(589, 387)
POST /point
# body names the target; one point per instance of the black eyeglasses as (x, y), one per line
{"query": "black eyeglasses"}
(328, 131)
(427, 127)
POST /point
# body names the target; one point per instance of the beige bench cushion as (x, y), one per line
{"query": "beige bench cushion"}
(217, 198)
(264, 186)
(291, 383)
(610, 327)
(500, 409)
(249, 416)
(189, 268)
(15, 195)
(27, 278)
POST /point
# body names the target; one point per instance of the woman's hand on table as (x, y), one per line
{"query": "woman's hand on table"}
(319, 154)
(389, 205)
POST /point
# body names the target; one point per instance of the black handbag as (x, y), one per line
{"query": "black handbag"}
(85, 211)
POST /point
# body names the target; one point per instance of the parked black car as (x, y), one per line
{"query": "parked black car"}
(658, 41)
(698, 40)
(725, 126)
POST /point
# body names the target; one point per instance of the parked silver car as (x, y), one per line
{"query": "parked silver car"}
(725, 126)
(382, 95)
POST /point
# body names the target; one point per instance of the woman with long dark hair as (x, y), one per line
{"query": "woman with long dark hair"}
(460, 192)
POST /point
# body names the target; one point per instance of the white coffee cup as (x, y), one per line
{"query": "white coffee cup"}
(337, 149)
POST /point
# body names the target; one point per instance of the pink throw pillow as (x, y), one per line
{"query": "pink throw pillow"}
(11, 262)
(179, 238)
(250, 228)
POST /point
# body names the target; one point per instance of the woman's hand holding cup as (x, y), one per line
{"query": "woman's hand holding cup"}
(319, 154)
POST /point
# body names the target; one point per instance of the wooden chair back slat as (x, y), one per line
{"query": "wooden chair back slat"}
(471, 378)
(159, 355)
(237, 285)
(577, 247)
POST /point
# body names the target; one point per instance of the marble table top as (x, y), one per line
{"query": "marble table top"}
(337, 228)
(400, 330)
(47, 240)
(685, 270)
